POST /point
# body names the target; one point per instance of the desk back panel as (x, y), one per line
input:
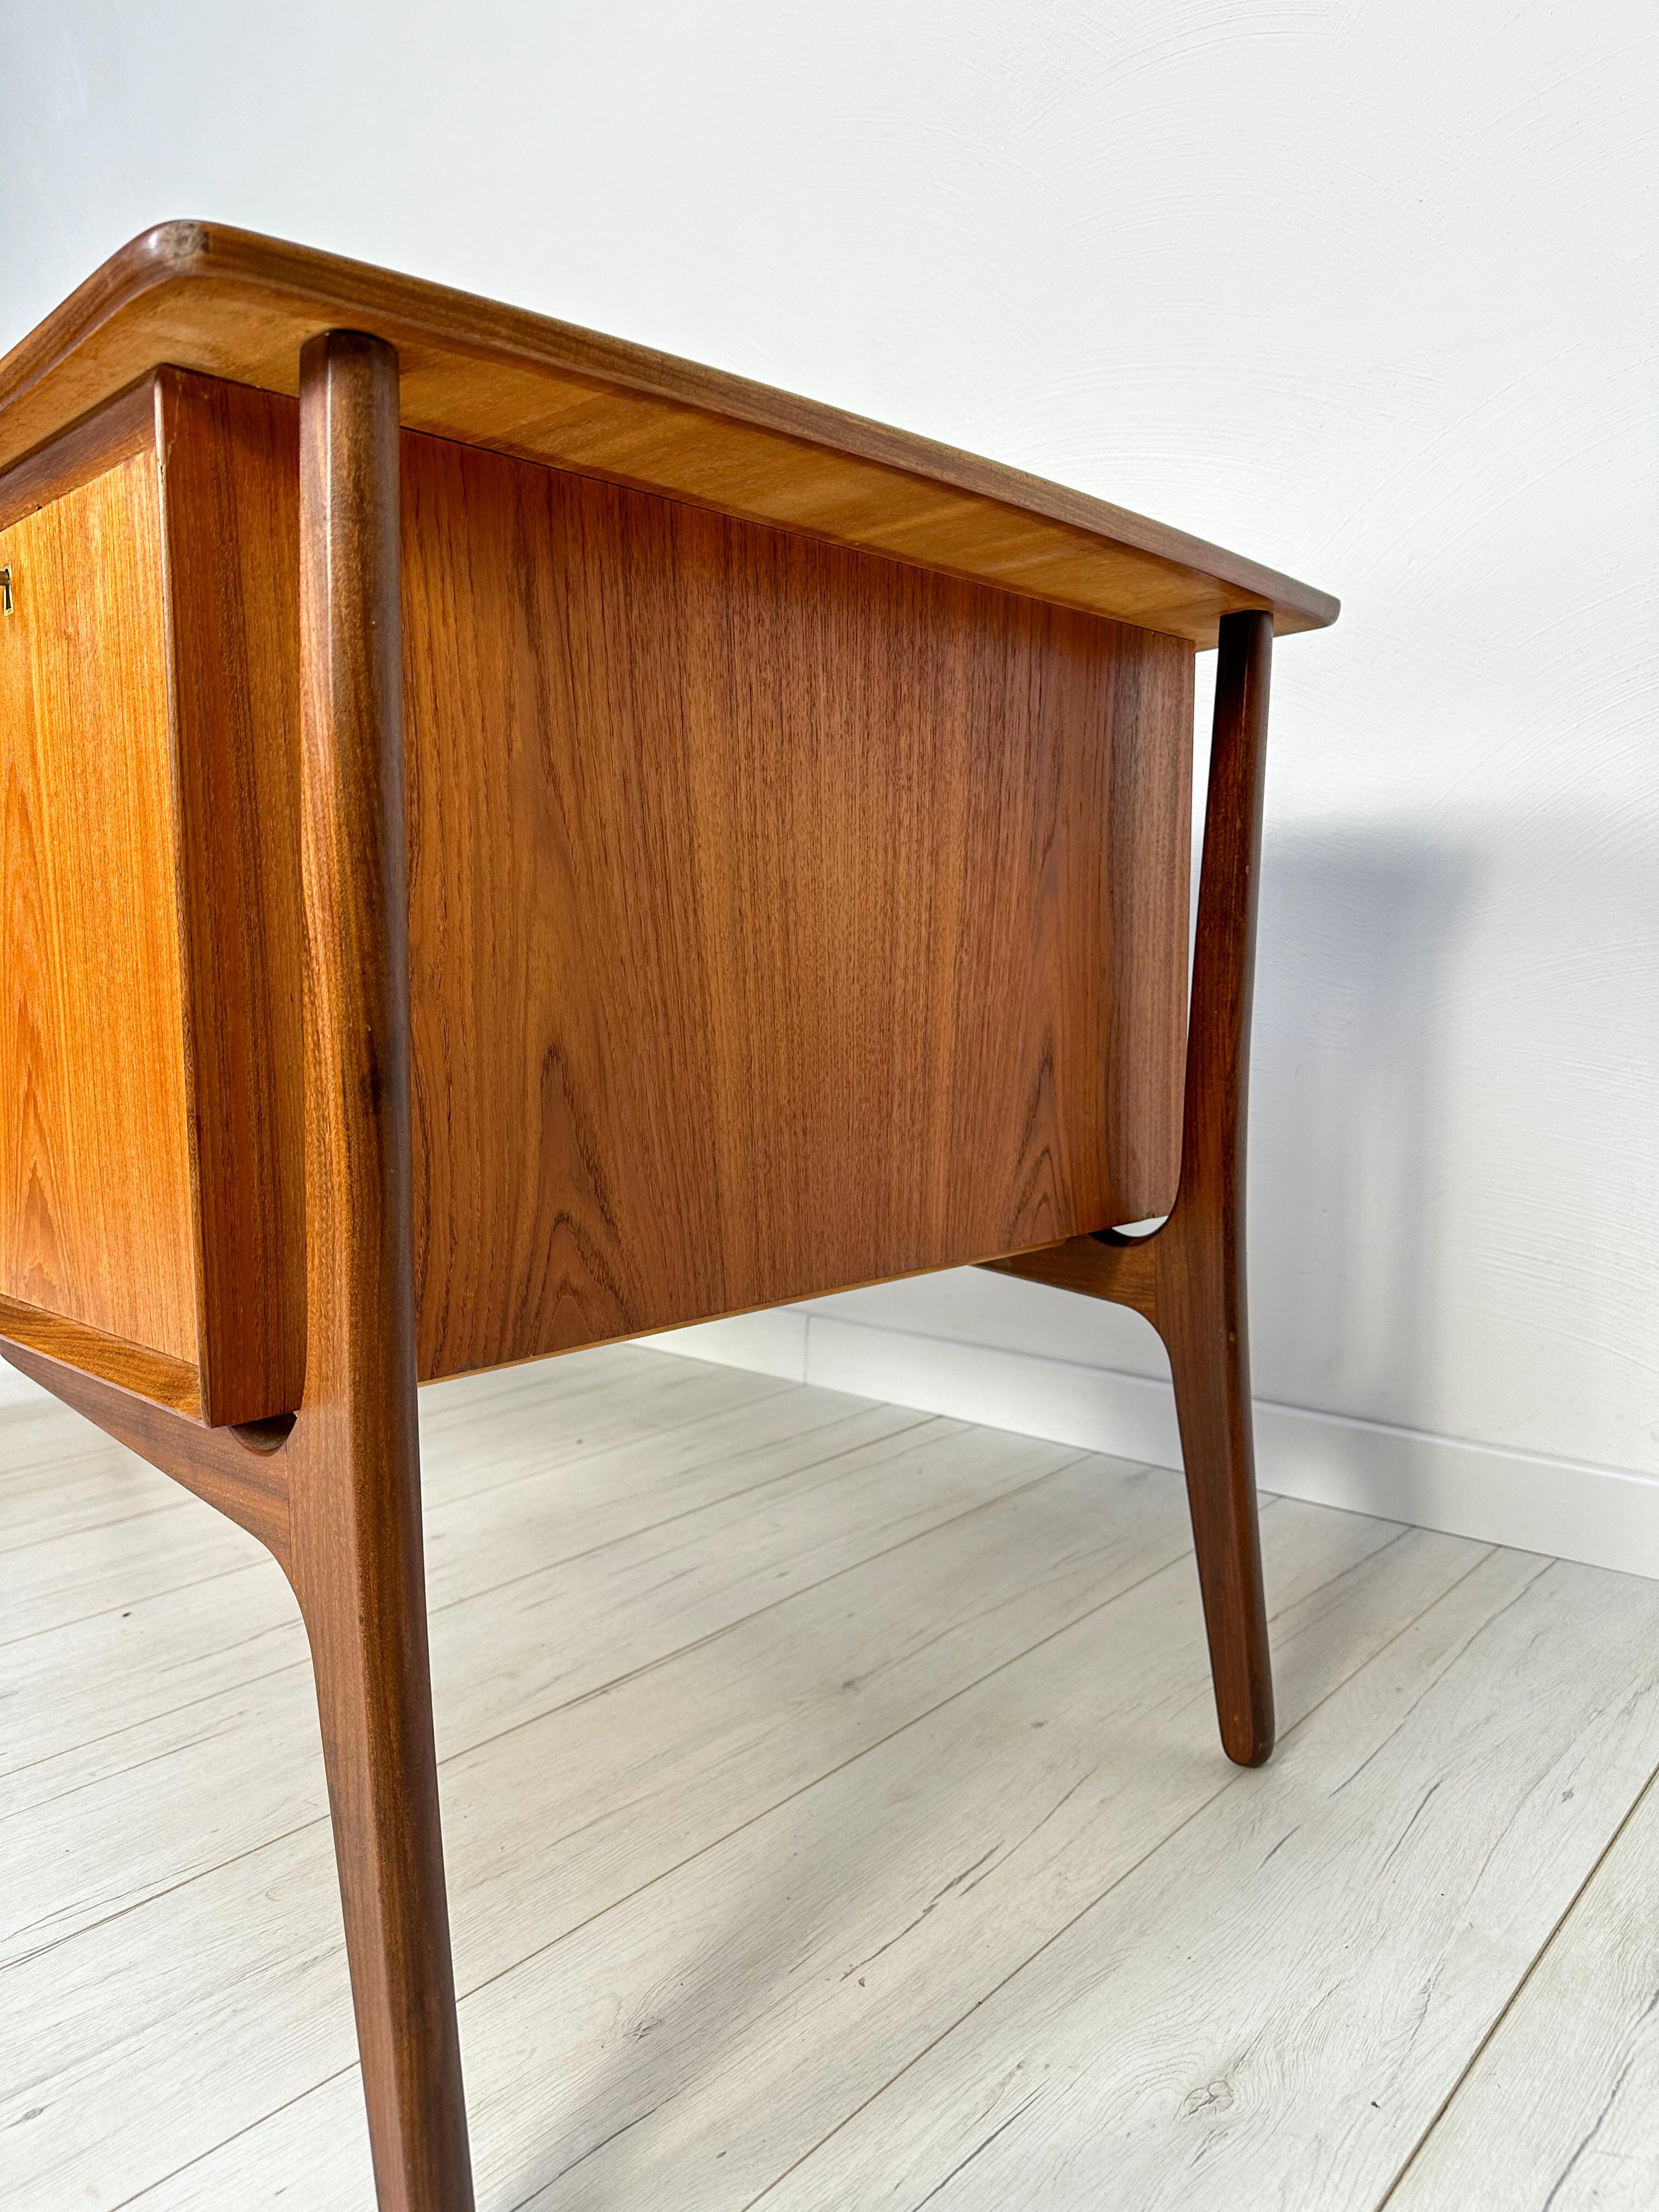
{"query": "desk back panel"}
(782, 916)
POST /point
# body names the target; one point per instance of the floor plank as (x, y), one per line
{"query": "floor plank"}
(1559, 2108)
(84, 1685)
(1296, 1978)
(91, 1558)
(716, 2017)
(834, 1816)
(131, 1965)
(528, 1636)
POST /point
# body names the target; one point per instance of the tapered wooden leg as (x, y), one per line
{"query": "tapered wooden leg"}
(334, 1490)
(1187, 1278)
(335, 1499)
(355, 1488)
(1204, 1331)
(357, 1572)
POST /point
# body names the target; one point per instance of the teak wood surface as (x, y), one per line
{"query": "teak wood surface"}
(1186, 1277)
(781, 918)
(778, 915)
(335, 1493)
(151, 1195)
(96, 1196)
(205, 296)
(469, 896)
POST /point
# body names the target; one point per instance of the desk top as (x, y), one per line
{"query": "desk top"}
(231, 304)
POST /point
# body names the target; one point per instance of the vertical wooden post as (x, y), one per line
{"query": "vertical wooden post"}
(1187, 1278)
(335, 1493)
(355, 1509)
(1202, 1313)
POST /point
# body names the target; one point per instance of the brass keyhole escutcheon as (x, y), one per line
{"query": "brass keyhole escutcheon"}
(5, 589)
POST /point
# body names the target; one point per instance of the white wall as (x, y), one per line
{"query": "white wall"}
(1367, 290)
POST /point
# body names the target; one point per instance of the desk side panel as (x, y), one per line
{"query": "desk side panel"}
(230, 474)
(781, 917)
(97, 1211)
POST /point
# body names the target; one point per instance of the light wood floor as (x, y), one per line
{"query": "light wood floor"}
(835, 1818)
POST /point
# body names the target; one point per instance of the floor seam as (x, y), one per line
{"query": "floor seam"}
(449, 1604)
(462, 1996)
(1232, 1781)
(1515, 1994)
(465, 1750)
(102, 1613)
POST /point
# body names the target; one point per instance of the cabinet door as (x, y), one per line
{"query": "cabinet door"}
(96, 1198)
(151, 1203)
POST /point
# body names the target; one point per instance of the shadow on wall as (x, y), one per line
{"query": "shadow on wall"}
(1454, 1194)
(1359, 936)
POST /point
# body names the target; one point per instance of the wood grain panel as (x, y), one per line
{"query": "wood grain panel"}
(229, 473)
(97, 1207)
(153, 1375)
(125, 426)
(211, 298)
(770, 929)
(781, 917)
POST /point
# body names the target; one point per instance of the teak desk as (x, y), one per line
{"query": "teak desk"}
(537, 842)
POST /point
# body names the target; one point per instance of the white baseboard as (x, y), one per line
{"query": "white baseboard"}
(771, 1343)
(1603, 1516)
(16, 1390)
